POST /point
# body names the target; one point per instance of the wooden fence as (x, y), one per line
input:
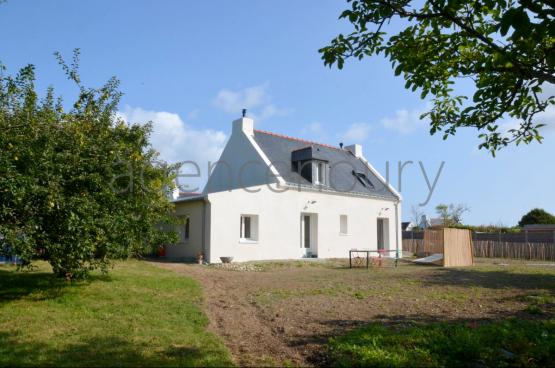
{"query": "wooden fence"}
(496, 249)
(511, 246)
(413, 245)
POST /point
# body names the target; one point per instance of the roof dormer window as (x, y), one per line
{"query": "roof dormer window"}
(311, 165)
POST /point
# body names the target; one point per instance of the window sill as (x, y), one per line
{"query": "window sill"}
(248, 241)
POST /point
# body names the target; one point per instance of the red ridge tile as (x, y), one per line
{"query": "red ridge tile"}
(296, 139)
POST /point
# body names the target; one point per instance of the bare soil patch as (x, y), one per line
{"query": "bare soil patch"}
(282, 313)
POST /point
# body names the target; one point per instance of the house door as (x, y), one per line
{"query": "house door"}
(383, 233)
(308, 235)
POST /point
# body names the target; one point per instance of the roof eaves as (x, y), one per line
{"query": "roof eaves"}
(313, 188)
(189, 198)
(381, 178)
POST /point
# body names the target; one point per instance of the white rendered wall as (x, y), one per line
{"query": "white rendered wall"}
(241, 165)
(279, 218)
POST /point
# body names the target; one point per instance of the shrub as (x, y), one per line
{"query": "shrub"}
(537, 216)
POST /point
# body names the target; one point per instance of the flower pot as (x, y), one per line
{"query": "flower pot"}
(161, 251)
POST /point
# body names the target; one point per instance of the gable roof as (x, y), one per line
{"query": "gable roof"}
(407, 225)
(278, 148)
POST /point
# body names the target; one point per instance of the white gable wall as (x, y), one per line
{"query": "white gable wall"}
(279, 223)
(242, 163)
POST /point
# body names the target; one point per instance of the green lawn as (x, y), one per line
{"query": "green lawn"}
(512, 342)
(515, 339)
(138, 315)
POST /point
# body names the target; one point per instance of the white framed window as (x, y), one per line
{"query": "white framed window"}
(319, 176)
(249, 228)
(343, 225)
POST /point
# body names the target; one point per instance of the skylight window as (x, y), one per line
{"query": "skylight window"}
(363, 179)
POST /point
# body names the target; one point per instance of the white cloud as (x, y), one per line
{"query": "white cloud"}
(547, 118)
(404, 121)
(356, 133)
(177, 141)
(507, 124)
(255, 99)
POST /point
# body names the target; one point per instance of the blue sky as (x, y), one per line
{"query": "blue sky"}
(191, 66)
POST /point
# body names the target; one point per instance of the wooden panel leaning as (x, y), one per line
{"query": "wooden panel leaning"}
(457, 248)
(454, 244)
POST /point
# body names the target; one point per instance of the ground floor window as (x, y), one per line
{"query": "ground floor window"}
(343, 227)
(184, 227)
(186, 231)
(307, 231)
(249, 227)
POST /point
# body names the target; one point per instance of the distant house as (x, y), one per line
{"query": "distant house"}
(426, 222)
(272, 196)
(409, 226)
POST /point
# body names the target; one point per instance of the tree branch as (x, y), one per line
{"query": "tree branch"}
(525, 70)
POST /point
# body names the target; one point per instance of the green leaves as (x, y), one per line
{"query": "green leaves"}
(507, 21)
(446, 41)
(57, 170)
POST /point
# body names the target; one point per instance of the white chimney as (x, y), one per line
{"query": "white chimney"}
(172, 192)
(245, 125)
(175, 193)
(355, 149)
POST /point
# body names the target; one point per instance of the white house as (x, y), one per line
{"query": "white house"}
(426, 222)
(276, 197)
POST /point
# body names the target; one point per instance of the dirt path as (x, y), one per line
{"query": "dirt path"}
(237, 319)
(285, 314)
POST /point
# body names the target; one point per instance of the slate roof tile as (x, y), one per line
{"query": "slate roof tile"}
(341, 162)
